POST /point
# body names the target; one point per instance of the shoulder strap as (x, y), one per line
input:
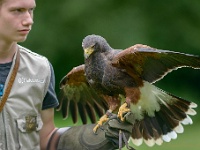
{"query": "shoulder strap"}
(10, 82)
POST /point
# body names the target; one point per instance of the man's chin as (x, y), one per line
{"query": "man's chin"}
(22, 39)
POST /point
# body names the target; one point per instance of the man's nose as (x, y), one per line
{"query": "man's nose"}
(28, 19)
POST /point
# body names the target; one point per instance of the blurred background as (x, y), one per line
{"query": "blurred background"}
(61, 25)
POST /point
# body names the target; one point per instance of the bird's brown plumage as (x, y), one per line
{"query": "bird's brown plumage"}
(79, 98)
(109, 77)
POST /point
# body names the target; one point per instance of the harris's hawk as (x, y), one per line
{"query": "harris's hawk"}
(121, 81)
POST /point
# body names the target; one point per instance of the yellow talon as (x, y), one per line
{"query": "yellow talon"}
(95, 128)
(103, 119)
(123, 109)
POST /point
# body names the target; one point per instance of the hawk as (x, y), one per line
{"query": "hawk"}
(119, 81)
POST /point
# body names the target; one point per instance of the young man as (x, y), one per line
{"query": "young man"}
(27, 96)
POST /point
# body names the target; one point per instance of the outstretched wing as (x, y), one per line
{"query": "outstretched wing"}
(79, 98)
(159, 115)
(152, 64)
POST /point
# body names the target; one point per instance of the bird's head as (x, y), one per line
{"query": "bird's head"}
(94, 43)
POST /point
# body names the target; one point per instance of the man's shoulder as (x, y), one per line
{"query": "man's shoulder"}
(28, 51)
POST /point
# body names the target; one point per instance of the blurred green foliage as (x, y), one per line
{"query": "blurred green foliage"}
(61, 25)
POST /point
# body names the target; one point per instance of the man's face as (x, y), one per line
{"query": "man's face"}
(16, 19)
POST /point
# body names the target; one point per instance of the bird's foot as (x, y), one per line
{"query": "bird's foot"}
(122, 110)
(103, 119)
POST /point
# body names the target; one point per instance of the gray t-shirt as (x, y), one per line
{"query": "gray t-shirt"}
(50, 100)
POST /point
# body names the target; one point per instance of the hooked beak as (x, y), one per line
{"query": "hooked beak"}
(88, 52)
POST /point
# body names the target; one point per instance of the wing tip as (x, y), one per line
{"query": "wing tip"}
(137, 142)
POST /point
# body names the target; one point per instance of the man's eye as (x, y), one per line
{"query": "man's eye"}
(19, 10)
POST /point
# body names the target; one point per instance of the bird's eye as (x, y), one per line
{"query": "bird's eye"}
(93, 46)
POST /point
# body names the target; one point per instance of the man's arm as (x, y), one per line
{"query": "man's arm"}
(83, 136)
(48, 127)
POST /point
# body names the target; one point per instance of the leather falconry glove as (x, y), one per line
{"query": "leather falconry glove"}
(113, 134)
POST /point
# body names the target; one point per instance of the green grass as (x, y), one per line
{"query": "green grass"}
(189, 140)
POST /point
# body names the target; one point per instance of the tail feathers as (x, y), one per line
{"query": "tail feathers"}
(162, 122)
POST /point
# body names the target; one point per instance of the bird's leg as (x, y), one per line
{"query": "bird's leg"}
(113, 103)
(132, 96)
(103, 119)
(124, 108)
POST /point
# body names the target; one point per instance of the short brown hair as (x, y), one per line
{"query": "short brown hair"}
(1, 1)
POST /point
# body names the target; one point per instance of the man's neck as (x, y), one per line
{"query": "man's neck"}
(7, 52)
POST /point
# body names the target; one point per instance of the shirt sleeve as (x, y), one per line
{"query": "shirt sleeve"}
(50, 100)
